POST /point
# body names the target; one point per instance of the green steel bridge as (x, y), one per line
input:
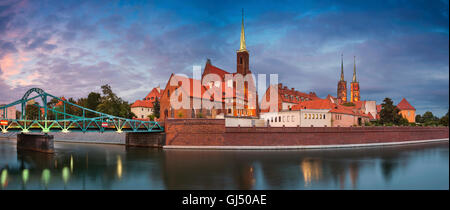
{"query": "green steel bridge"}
(56, 119)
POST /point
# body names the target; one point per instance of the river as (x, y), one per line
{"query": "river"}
(100, 166)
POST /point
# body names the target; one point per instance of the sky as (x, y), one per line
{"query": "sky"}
(70, 48)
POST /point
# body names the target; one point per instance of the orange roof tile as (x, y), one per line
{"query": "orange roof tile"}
(405, 105)
(314, 104)
(142, 103)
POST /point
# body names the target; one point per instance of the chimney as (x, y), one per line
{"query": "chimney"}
(208, 61)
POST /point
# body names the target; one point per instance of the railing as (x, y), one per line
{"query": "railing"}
(65, 122)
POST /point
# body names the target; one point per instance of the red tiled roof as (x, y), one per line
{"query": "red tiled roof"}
(314, 104)
(190, 89)
(405, 105)
(210, 69)
(142, 103)
(154, 93)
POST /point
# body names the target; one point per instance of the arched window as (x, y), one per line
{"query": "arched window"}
(276, 119)
(279, 119)
(268, 121)
(309, 116)
(323, 116)
(271, 119)
(305, 116)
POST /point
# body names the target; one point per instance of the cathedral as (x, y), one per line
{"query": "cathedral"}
(342, 85)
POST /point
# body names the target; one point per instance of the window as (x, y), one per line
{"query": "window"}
(168, 93)
(271, 119)
(142, 116)
(292, 118)
(284, 118)
(305, 116)
(323, 116)
(279, 119)
(287, 118)
(240, 60)
(309, 116)
(268, 121)
(276, 119)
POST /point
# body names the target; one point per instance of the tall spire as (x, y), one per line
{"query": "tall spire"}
(354, 69)
(342, 67)
(242, 47)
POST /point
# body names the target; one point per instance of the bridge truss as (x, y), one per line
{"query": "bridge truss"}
(61, 121)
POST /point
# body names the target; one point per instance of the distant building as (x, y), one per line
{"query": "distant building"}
(233, 100)
(407, 111)
(354, 86)
(143, 108)
(342, 84)
(10, 112)
(321, 113)
(287, 98)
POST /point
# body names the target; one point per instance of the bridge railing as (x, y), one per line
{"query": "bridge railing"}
(67, 122)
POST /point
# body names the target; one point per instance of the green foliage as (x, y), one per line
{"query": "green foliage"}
(428, 119)
(151, 117)
(32, 111)
(111, 104)
(444, 120)
(389, 114)
(200, 115)
(92, 102)
(180, 114)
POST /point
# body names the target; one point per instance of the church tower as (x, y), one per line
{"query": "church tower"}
(242, 53)
(354, 86)
(342, 85)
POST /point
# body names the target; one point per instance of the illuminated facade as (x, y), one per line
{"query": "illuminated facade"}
(342, 85)
(354, 86)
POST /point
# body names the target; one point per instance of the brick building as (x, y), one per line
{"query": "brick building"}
(287, 98)
(233, 94)
(143, 108)
(407, 111)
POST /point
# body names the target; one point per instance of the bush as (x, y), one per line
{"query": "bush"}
(180, 114)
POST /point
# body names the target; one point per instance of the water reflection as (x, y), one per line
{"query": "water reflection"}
(119, 167)
(312, 170)
(4, 178)
(422, 166)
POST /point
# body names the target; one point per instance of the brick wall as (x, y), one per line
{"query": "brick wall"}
(212, 132)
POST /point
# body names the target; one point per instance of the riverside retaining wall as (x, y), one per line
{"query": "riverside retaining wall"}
(212, 132)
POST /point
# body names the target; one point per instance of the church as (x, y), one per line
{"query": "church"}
(233, 94)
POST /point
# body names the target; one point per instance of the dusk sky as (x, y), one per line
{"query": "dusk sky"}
(70, 48)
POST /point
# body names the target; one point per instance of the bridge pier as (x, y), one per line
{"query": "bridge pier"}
(35, 142)
(157, 139)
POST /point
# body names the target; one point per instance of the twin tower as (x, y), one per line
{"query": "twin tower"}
(342, 85)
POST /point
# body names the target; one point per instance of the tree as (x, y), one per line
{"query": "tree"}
(111, 104)
(389, 113)
(32, 111)
(92, 102)
(444, 120)
(156, 108)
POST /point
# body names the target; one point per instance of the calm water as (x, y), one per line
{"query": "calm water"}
(95, 166)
